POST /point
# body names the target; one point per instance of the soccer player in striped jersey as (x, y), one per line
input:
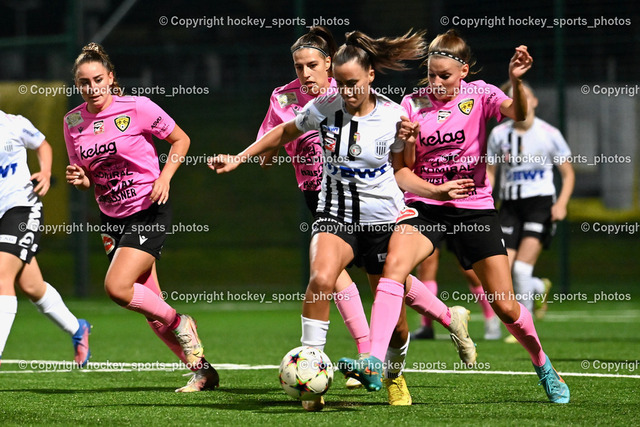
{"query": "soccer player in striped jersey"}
(110, 145)
(20, 230)
(525, 152)
(312, 54)
(445, 131)
(360, 199)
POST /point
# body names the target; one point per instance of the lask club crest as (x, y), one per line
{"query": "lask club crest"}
(122, 122)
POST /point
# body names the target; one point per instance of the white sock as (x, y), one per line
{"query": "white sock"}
(314, 332)
(52, 306)
(538, 285)
(8, 310)
(394, 360)
(522, 283)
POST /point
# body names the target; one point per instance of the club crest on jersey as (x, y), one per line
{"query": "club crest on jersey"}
(406, 213)
(122, 122)
(381, 148)
(108, 242)
(421, 102)
(288, 98)
(98, 127)
(74, 119)
(355, 150)
(466, 105)
(443, 115)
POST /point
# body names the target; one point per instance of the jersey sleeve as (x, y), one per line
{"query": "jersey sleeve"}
(153, 119)
(309, 118)
(493, 99)
(561, 150)
(68, 141)
(272, 119)
(407, 105)
(30, 136)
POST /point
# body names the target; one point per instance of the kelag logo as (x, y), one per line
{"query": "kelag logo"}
(448, 138)
(98, 150)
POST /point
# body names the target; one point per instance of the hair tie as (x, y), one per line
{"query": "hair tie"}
(308, 46)
(448, 55)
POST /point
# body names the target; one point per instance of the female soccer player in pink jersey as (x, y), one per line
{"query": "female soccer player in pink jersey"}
(21, 220)
(110, 146)
(446, 125)
(360, 200)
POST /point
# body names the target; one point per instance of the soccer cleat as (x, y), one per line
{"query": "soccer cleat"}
(188, 338)
(397, 391)
(205, 378)
(459, 329)
(80, 342)
(540, 306)
(352, 383)
(555, 387)
(368, 371)
(314, 405)
(492, 329)
(423, 333)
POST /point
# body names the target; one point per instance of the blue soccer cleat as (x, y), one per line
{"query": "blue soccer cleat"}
(555, 387)
(368, 371)
(81, 343)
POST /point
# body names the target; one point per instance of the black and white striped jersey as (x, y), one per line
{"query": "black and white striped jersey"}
(358, 183)
(526, 159)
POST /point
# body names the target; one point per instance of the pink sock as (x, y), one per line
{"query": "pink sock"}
(482, 301)
(426, 303)
(526, 334)
(384, 315)
(350, 307)
(169, 338)
(145, 301)
(432, 285)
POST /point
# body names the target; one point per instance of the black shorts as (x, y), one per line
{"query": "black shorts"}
(527, 217)
(20, 231)
(145, 230)
(368, 242)
(472, 234)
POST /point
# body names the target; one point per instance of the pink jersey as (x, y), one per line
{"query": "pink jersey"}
(306, 151)
(452, 143)
(116, 148)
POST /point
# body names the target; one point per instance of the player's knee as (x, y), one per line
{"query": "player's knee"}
(6, 286)
(322, 282)
(507, 310)
(119, 293)
(396, 267)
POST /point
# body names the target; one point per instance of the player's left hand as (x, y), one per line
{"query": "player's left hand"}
(44, 183)
(520, 63)
(160, 191)
(558, 212)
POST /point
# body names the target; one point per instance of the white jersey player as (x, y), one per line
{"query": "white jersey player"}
(20, 231)
(525, 153)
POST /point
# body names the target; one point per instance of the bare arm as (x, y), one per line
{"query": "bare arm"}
(408, 181)
(559, 208)
(45, 159)
(180, 142)
(491, 174)
(520, 63)
(274, 139)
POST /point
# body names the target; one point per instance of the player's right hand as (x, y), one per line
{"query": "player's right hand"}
(74, 175)
(408, 130)
(224, 163)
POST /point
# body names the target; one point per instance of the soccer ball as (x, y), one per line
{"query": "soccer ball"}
(305, 373)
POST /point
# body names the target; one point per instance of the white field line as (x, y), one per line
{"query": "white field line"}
(51, 366)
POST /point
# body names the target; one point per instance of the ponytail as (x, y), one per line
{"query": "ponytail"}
(93, 52)
(381, 54)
